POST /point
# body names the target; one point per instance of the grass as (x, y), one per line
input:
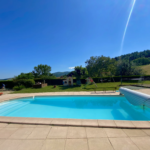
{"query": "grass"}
(146, 69)
(61, 88)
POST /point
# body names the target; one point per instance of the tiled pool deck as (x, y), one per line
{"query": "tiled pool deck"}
(46, 137)
(72, 122)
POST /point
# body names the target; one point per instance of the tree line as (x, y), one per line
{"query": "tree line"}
(97, 66)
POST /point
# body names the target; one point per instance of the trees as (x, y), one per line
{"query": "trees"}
(42, 70)
(25, 76)
(100, 65)
(142, 61)
(79, 72)
(126, 67)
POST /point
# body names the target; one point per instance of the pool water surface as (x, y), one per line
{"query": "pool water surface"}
(75, 107)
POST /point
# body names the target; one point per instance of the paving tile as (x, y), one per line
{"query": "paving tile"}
(28, 126)
(54, 144)
(7, 132)
(124, 124)
(99, 144)
(30, 120)
(76, 122)
(59, 121)
(39, 133)
(134, 132)
(21, 133)
(2, 141)
(115, 132)
(141, 124)
(106, 123)
(58, 132)
(3, 125)
(10, 144)
(43, 126)
(44, 120)
(76, 132)
(14, 125)
(18, 119)
(95, 132)
(76, 144)
(143, 143)
(89, 123)
(6, 119)
(123, 144)
(147, 131)
(31, 145)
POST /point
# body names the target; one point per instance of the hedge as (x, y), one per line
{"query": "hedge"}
(11, 84)
(8, 84)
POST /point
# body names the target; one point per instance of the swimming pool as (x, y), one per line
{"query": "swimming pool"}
(75, 107)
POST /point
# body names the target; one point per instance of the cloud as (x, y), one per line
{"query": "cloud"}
(71, 67)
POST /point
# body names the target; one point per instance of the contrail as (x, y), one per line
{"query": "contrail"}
(122, 42)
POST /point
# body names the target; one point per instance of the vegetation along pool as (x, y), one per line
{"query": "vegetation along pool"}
(75, 107)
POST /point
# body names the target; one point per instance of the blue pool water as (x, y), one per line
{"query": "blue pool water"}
(75, 107)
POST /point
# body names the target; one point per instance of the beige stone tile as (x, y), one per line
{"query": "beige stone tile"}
(59, 121)
(39, 133)
(89, 122)
(18, 119)
(99, 144)
(147, 131)
(21, 133)
(134, 132)
(7, 132)
(124, 124)
(106, 123)
(143, 143)
(6, 119)
(30, 120)
(76, 132)
(76, 144)
(10, 144)
(14, 125)
(54, 144)
(2, 141)
(43, 126)
(95, 132)
(28, 126)
(58, 132)
(123, 144)
(115, 132)
(31, 145)
(44, 120)
(3, 125)
(141, 124)
(76, 122)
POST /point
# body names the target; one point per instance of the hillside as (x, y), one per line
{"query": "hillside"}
(134, 55)
(146, 69)
(59, 74)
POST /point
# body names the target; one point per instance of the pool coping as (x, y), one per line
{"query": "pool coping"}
(72, 122)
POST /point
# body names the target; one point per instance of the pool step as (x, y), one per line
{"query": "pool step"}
(5, 111)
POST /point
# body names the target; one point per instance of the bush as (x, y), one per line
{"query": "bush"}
(17, 88)
(25, 82)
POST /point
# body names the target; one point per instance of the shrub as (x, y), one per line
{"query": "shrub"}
(25, 82)
(17, 88)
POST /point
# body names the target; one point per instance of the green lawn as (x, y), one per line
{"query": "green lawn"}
(61, 88)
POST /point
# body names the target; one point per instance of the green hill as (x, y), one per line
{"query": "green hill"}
(146, 69)
(59, 74)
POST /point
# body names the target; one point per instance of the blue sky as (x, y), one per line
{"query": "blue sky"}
(65, 33)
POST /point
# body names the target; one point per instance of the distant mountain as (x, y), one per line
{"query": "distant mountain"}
(7, 79)
(59, 74)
